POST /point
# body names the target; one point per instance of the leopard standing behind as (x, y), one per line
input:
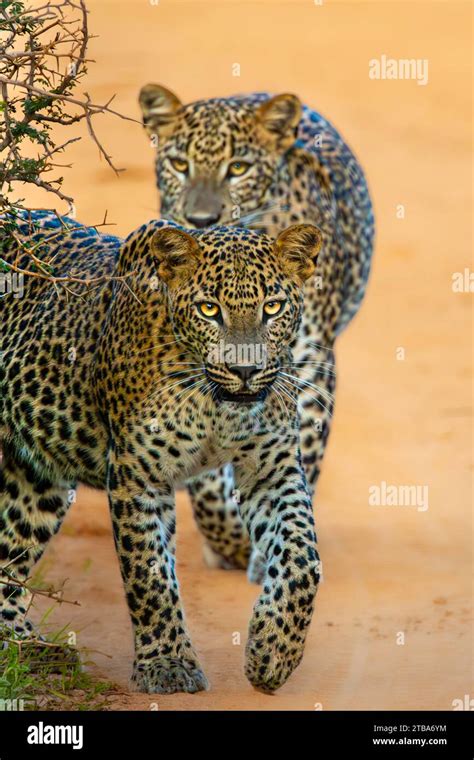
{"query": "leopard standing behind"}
(267, 162)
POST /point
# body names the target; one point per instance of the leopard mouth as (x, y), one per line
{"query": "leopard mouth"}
(240, 398)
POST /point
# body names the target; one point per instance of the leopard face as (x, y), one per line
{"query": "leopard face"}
(235, 301)
(216, 159)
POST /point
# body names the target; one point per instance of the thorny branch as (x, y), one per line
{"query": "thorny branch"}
(8, 579)
(43, 58)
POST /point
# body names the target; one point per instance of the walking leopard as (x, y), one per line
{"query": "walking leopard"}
(119, 386)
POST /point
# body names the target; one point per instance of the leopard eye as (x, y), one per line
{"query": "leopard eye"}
(179, 165)
(209, 310)
(237, 168)
(271, 308)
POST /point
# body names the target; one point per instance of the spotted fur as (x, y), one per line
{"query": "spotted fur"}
(119, 386)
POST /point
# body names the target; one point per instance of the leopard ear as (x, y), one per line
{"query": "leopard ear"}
(278, 120)
(297, 248)
(176, 252)
(160, 108)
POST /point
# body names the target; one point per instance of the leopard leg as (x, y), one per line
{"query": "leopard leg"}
(32, 507)
(314, 373)
(276, 507)
(143, 518)
(215, 505)
(313, 376)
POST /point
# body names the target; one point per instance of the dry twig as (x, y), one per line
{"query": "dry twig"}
(43, 57)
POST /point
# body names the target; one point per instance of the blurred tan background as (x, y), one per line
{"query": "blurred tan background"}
(388, 569)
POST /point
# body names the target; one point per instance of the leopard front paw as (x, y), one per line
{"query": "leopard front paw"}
(275, 646)
(266, 667)
(168, 675)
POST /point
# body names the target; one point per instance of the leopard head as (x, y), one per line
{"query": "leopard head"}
(235, 298)
(216, 159)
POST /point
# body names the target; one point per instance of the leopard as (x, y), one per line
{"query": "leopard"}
(116, 372)
(265, 162)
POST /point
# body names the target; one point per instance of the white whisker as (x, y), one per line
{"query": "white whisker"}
(157, 346)
(304, 390)
(288, 395)
(193, 388)
(173, 385)
(317, 388)
(325, 366)
(306, 342)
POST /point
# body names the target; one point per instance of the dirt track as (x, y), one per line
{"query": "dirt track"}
(387, 569)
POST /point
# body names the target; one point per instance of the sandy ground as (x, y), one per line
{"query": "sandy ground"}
(388, 570)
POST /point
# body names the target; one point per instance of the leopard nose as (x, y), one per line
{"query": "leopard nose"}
(203, 220)
(244, 371)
